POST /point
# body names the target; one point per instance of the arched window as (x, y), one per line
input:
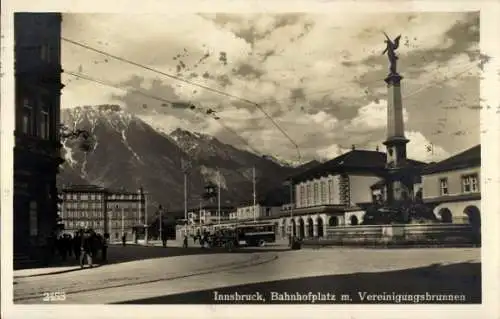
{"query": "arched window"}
(333, 221)
(320, 227)
(354, 220)
(445, 215)
(310, 227)
(473, 215)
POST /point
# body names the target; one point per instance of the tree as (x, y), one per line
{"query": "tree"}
(83, 136)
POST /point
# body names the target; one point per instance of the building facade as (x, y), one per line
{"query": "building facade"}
(125, 210)
(205, 217)
(335, 193)
(37, 157)
(83, 206)
(331, 194)
(250, 212)
(116, 212)
(452, 187)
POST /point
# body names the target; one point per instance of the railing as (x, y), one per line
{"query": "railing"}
(408, 234)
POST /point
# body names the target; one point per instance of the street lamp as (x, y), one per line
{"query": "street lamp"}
(289, 182)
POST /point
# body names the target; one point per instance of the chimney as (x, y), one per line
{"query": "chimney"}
(353, 147)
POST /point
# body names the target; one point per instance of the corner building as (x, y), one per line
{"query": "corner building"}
(116, 212)
(37, 54)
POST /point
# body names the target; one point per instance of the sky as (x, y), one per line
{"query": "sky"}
(319, 77)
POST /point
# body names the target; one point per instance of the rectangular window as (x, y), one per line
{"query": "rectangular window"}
(470, 183)
(33, 219)
(315, 194)
(27, 116)
(44, 120)
(84, 197)
(330, 191)
(308, 195)
(443, 186)
(324, 198)
(45, 52)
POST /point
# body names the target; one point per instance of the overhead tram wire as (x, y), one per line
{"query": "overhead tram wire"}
(204, 110)
(335, 89)
(198, 85)
(361, 84)
(439, 81)
(188, 82)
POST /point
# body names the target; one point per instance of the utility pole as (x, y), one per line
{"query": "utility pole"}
(199, 213)
(254, 195)
(218, 196)
(123, 220)
(185, 203)
(292, 202)
(161, 222)
(146, 219)
(185, 167)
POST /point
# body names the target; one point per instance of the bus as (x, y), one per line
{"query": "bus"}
(256, 234)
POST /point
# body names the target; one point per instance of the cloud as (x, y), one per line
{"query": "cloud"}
(320, 76)
(418, 148)
(372, 116)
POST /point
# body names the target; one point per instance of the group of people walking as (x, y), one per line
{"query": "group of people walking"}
(84, 245)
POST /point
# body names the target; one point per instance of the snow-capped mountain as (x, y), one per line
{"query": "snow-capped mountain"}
(128, 153)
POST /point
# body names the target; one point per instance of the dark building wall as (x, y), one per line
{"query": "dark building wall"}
(37, 147)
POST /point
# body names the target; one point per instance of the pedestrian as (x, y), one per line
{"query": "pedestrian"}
(68, 242)
(86, 248)
(164, 239)
(105, 247)
(94, 243)
(77, 242)
(185, 242)
(124, 240)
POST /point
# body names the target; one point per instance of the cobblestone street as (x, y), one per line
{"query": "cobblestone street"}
(161, 274)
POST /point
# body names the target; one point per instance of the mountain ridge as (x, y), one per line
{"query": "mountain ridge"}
(128, 152)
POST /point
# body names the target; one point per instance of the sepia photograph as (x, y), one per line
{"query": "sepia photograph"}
(247, 158)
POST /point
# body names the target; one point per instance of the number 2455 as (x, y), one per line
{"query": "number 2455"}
(54, 296)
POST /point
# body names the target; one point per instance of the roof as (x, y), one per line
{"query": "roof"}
(352, 161)
(468, 158)
(96, 189)
(210, 207)
(121, 191)
(84, 188)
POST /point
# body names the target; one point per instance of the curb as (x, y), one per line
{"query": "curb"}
(73, 268)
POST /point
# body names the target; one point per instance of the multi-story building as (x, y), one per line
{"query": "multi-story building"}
(452, 186)
(205, 217)
(83, 206)
(125, 210)
(335, 192)
(37, 157)
(116, 212)
(259, 211)
(208, 214)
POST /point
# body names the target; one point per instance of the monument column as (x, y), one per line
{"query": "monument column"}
(396, 140)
